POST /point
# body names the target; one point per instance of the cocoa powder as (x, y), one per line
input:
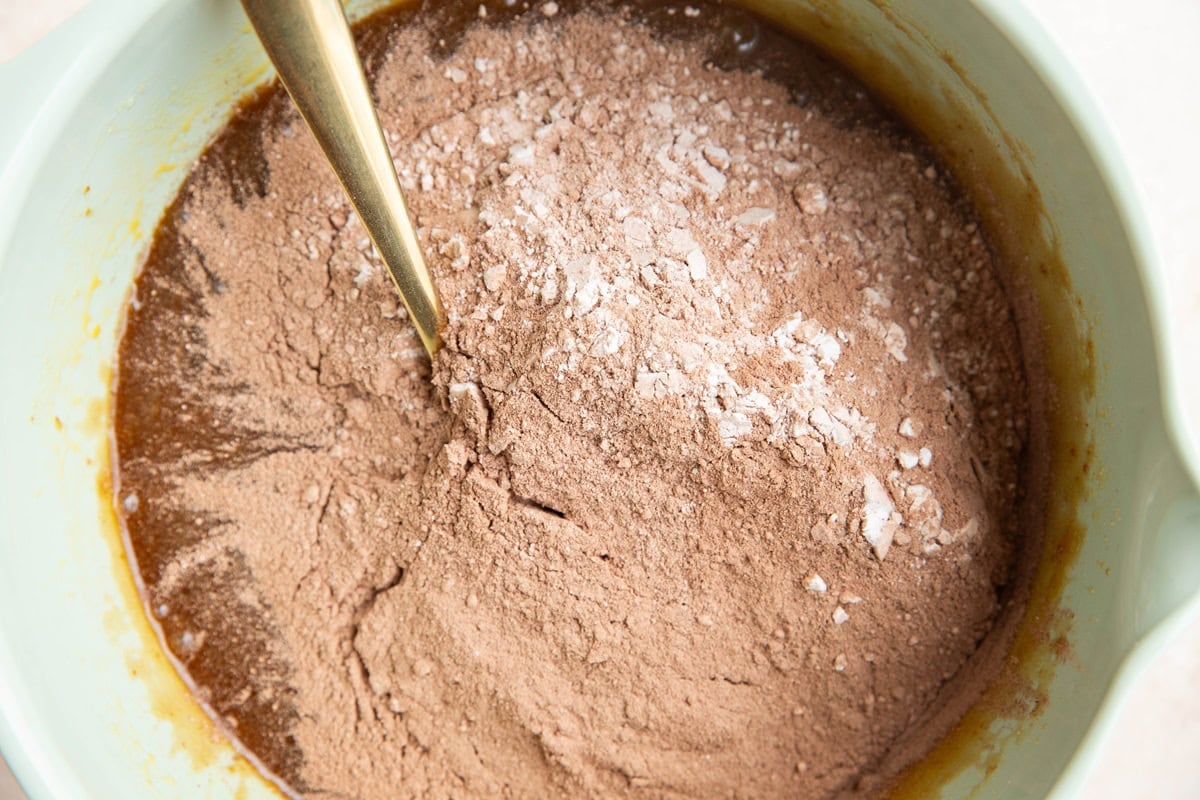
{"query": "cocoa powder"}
(711, 492)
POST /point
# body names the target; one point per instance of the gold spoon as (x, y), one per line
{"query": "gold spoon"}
(310, 44)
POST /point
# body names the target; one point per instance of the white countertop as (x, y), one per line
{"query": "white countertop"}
(1141, 61)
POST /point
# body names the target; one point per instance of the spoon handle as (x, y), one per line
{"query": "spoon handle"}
(309, 42)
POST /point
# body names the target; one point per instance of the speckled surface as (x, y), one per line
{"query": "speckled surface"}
(1137, 60)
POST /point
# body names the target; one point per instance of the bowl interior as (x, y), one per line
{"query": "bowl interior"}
(94, 707)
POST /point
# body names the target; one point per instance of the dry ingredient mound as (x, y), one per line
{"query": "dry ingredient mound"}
(711, 492)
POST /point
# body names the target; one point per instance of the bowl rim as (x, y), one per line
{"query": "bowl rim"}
(1095, 129)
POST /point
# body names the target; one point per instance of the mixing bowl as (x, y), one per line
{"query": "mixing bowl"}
(100, 123)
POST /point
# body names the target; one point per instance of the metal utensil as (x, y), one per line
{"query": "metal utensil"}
(309, 42)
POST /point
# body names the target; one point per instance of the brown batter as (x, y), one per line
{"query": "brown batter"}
(712, 490)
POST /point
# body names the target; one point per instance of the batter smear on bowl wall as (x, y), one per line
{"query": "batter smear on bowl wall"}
(714, 490)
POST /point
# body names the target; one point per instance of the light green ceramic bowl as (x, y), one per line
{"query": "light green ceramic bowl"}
(98, 125)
